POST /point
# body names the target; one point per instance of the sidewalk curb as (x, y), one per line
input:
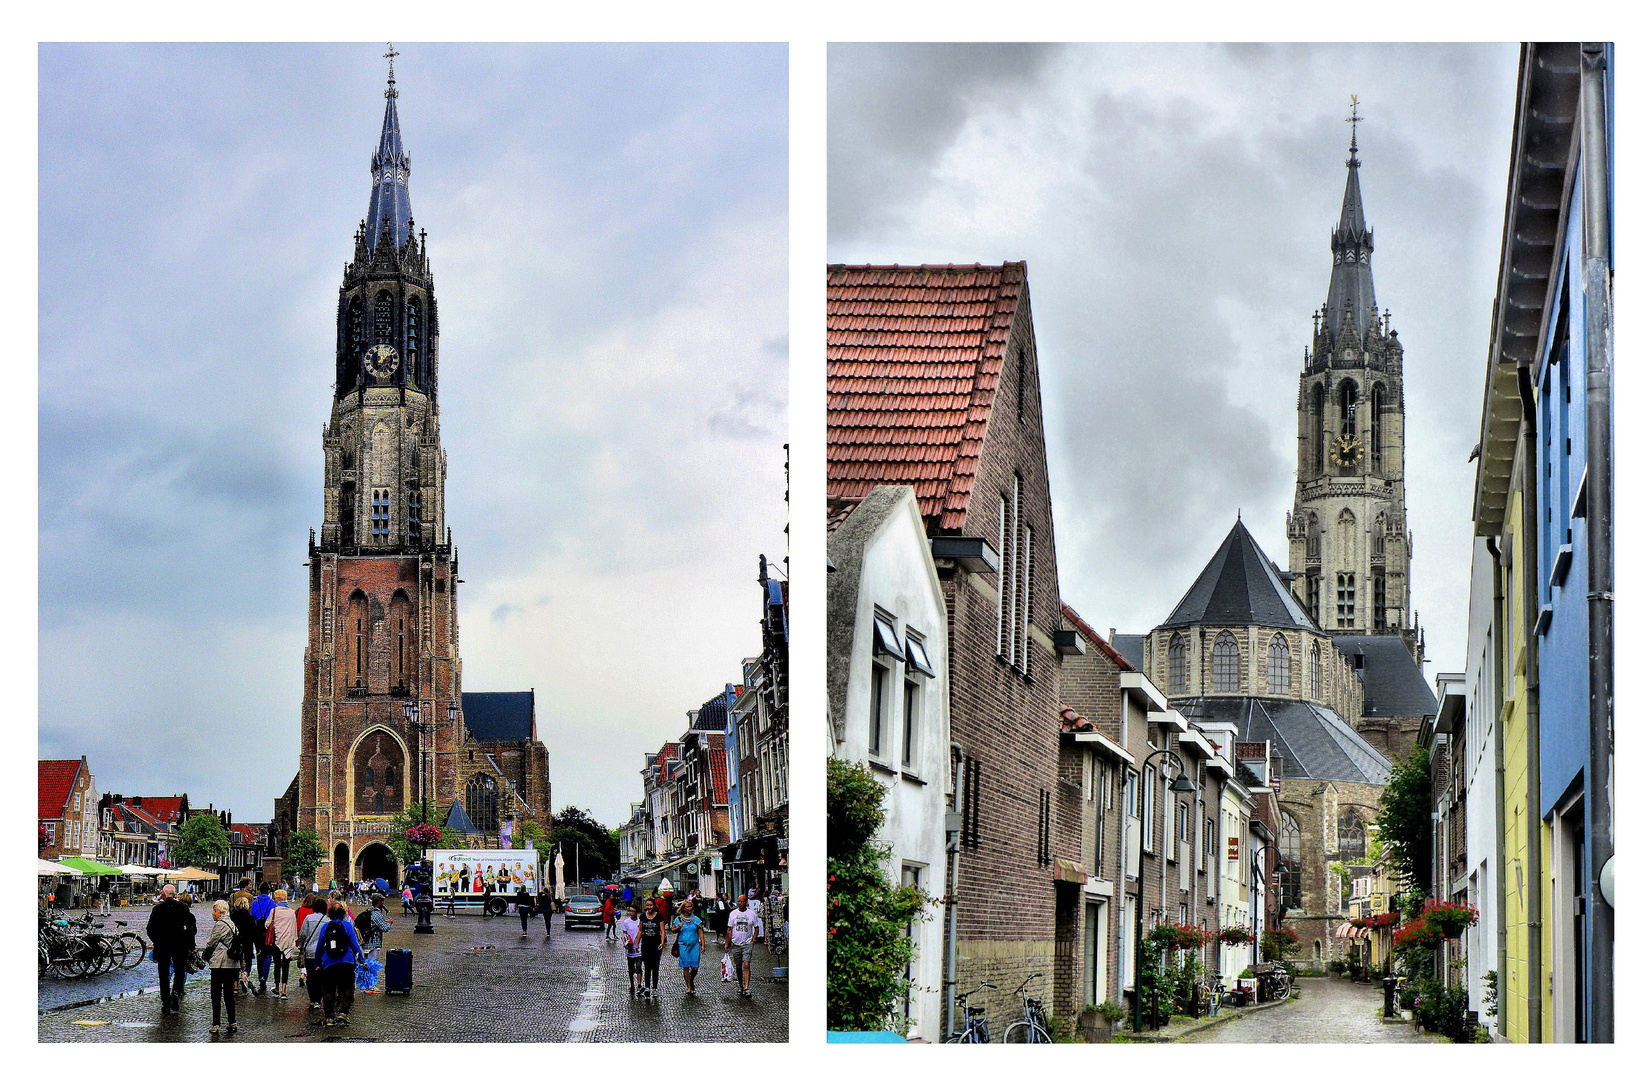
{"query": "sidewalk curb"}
(142, 990)
(1218, 1022)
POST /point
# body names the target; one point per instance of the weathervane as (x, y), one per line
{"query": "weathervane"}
(391, 56)
(1353, 118)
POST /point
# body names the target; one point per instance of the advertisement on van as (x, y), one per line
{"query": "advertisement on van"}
(468, 873)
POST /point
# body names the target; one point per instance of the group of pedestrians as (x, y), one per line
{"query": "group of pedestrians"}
(321, 936)
(646, 926)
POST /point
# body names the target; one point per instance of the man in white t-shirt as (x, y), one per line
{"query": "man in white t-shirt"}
(744, 927)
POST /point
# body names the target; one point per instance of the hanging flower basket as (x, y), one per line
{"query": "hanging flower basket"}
(1235, 935)
(424, 835)
(1418, 933)
(1168, 936)
(1447, 919)
(1387, 918)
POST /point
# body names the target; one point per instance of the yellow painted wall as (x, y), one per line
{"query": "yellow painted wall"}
(1522, 882)
(1546, 914)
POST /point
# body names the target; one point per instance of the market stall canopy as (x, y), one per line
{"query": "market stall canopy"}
(89, 866)
(50, 869)
(140, 871)
(190, 873)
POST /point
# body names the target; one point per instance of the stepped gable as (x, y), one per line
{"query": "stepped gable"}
(1240, 586)
(913, 355)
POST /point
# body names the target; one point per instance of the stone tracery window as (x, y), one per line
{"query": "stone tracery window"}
(1314, 672)
(482, 803)
(1279, 666)
(1224, 664)
(1290, 862)
(1178, 664)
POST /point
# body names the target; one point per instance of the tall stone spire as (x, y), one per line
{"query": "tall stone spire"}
(390, 208)
(1352, 292)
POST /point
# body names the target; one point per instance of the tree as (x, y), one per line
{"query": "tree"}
(304, 854)
(867, 918)
(1405, 816)
(529, 831)
(598, 853)
(407, 852)
(202, 842)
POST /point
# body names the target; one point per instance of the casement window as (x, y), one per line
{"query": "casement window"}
(885, 644)
(1149, 782)
(1005, 561)
(1026, 593)
(1178, 664)
(381, 514)
(1181, 823)
(1279, 666)
(1132, 794)
(911, 721)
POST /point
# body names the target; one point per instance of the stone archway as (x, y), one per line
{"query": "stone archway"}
(341, 863)
(377, 861)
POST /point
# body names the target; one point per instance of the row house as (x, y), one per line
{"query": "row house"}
(760, 751)
(146, 823)
(1537, 748)
(68, 801)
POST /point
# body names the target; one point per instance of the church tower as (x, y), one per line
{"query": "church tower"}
(381, 719)
(1350, 548)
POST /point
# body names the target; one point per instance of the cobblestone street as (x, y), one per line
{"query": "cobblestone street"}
(474, 980)
(1328, 1011)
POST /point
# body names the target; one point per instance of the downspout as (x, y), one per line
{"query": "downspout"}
(1497, 653)
(1534, 840)
(1597, 292)
(955, 840)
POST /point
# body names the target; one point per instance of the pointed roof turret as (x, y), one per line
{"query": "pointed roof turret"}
(1352, 293)
(1240, 586)
(390, 209)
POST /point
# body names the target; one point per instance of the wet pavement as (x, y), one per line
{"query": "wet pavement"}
(1329, 1010)
(475, 980)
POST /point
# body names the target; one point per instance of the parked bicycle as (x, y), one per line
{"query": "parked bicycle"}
(1032, 1027)
(1209, 996)
(975, 1019)
(78, 948)
(1274, 983)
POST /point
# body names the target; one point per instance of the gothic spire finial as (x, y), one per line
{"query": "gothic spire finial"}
(390, 55)
(1353, 119)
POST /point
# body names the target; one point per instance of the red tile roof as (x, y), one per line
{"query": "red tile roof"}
(1072, 720)
(164, 808)
(1096, 639)
(912, 360)
(57, 784)
(248, 834)
(719, 776)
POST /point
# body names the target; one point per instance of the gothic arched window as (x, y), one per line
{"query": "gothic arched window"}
(357, 627)
(355, 340)
(1319, 428)
(1224, 664)
(1178, 664)
(412, 366)
(1348, 394)
(482, 803)
(1379, 397)
(1279, 666)
(1379, 530)
(1313, 535)
(1314, 673)
(1290, 862)
(1351, 837)
(382, 328)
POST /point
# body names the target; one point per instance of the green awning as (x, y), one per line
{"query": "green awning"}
(87, 866)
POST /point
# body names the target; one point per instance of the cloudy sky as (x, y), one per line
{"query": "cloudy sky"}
(607, 228)
(1174, 204)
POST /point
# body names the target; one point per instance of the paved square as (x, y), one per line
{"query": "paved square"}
(475, 980)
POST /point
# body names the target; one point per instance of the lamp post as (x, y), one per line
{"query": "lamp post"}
(424, 904)
(1258, 877)
(1183, 786)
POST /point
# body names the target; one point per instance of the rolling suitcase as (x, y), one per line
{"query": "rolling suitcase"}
(398, 972)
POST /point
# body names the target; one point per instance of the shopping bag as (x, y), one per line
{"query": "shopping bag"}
(728, 968)
(367, 974)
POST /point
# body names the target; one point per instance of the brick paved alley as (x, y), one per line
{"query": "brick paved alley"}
(1328, 1011)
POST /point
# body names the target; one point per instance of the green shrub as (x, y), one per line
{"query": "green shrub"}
(1336, 967)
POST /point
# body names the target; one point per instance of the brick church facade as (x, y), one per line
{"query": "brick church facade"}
(383, 725)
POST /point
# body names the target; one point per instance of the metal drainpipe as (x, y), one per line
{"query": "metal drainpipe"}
(1497, 652)
(1534, 840)
(1597, 332)
(952, 896)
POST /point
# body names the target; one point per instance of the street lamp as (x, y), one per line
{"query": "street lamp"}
(1183, 786)
(1258, 877)
(425, 904)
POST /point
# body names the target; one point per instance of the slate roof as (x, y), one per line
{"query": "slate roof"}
(1352, 291)
(1240, 586)
(499, 717)
(1130, 647)
(1313, 740)
(459, 821)
(713, 715)
(57, 783)
(390, 206)
(912, 360)
(1394, 685)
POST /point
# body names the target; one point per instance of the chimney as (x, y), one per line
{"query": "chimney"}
(1112, 631)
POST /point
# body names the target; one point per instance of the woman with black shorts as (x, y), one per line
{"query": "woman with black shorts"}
(653, 937)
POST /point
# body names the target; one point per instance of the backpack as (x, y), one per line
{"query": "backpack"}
(364, 924)
(335, 940)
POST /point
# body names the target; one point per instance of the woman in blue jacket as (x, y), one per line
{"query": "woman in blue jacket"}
(337, 953)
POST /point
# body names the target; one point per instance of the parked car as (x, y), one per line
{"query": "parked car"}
(582, 910)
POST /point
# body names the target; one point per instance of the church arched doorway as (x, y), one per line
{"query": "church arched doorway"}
(376, 861)
(341, 863)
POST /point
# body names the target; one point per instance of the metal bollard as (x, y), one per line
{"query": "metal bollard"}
(1388, 984)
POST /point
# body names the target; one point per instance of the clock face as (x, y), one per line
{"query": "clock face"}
(382, 361)
(1347, 451)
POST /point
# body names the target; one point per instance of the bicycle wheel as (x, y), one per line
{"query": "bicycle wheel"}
(137, 950)
(1023, 1032)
